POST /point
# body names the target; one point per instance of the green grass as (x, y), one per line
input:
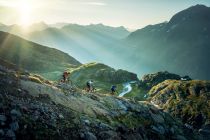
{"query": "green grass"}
(103, 76)
(132, 121)
(33, 57)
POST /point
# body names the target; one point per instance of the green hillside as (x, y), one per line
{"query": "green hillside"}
(33, 57)
(187, 100)
(141, 88)
(102, 75)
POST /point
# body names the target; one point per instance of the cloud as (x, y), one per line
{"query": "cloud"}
(94, 3)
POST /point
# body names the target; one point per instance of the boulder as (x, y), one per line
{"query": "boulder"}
(108, 135)
(11, 134)
(3, 118)
(14, 126)
(158, 129)
(89, 136)
(157, 118)
(180, 137)
(15, 114)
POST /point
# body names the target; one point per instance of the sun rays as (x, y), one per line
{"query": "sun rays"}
(25, 10)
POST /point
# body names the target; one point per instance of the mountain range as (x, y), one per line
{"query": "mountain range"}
(180, 46)
(35, 103)
(32, 106)
(85, 43)
(82, 42)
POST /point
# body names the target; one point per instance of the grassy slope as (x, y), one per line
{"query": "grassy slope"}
(86, 72)
(184, 99)
(147, 82)
(103, 76)
(34, 57)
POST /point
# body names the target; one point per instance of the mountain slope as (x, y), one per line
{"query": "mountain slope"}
(188, 100)
(32, 56)
(39, 110)
(144, 85)
(181, 45)
(91, 41)
(114, 32)
(102, 75)
(22, 31)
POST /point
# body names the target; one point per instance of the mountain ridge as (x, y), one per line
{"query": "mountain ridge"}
(33, 57)
(158, 47)
(185, 40)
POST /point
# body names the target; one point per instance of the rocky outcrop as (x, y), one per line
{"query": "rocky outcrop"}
(187, 100)
(39, 110)
(116, 76)
(150, 80)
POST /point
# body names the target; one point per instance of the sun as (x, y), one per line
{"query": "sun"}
(24, 8)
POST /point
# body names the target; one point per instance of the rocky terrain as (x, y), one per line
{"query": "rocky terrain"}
(181, 97)
(34, 108)
(150, 80)
(143, 86)
(187, 100)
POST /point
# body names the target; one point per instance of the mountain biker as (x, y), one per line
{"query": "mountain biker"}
(113, 89)
(89, 85)
(65, 76)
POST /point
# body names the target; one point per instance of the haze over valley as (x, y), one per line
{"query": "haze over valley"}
(143, 51)
(104, 70)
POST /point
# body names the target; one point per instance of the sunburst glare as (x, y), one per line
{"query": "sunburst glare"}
(24, 9)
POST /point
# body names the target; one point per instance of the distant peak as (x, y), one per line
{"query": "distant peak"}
(99, 24)
(193, 13)
(103, 25)
(72, 25)
(199, 6)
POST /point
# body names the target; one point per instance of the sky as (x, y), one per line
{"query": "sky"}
(133, 14)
